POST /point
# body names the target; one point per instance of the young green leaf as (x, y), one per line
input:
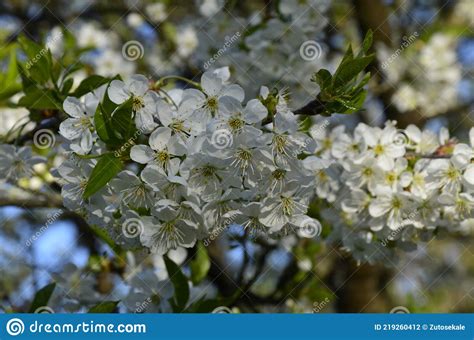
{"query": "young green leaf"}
(323, 78)
(350, 69)
(42, 297)
(369, 37)
(349, 55)
(104, 307)
(344, 91)
(122, 121)
(180, 284)
(8, 81)
(200, 264)
(101, 126)
(106, 168)
(37, 64)
(67, 85)
(39, 99)
(89, 84)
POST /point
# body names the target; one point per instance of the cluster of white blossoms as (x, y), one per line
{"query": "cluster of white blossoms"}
(389, 187)
(269, 49)
(422, 72)
(204, 158)
(249, 42)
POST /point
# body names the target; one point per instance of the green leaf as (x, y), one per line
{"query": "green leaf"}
(28, 84)
(106, 168)
(180, 284)
(55, 70)
(8, 81)
(114, 124)
(42, 297)
(349, 55)
(323, 78)
(359, 100)
(347, 104)
(12, 72)
(362, 83)
(89, 84)
(67, 86)
(350, 69)
(104, 307)
(343, 92)
(38, 62)
(200, 264)
(69, 40)
(73, 68)
(102, 120)
(369, 37)
(101, 126)
(35, 98)
(122, 121)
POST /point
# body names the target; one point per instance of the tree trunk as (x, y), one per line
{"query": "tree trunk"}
(361, 289)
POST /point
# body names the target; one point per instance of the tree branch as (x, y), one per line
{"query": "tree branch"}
(22, 198)
(313, 108)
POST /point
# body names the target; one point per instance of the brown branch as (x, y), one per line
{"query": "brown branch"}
(21, 198)
(312, 108)
(427, 156)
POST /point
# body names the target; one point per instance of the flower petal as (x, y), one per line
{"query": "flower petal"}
(117, 92)
(137, 84)
(73, 107)
(235, 91)
(159, 138)
(69, 129)
(469, 174)
(255, 111)
(211, 83)
(141, 154)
